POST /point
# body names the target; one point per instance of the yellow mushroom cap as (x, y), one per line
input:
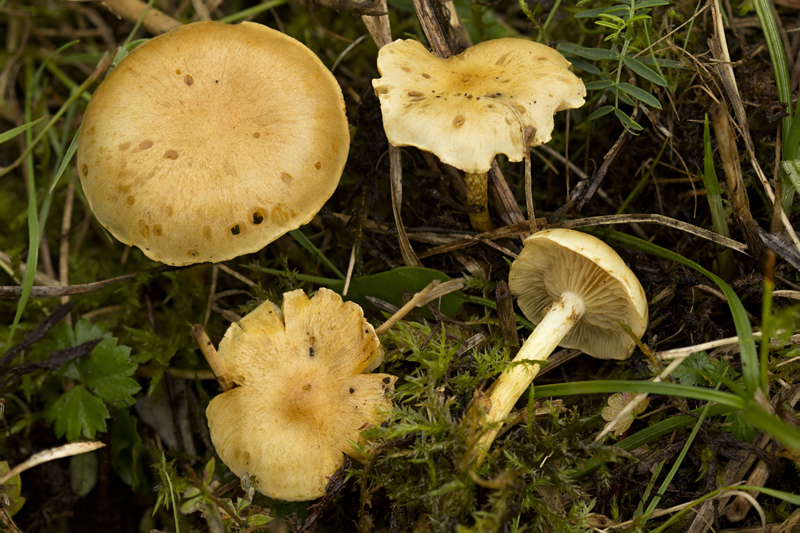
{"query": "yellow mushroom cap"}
(468, 108)
(302, 394)
(211, 141)
(560, 260)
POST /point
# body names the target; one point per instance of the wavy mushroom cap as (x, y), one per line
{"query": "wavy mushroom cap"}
(468, 108)
(562, 260)
(211, 141)
(301, 396)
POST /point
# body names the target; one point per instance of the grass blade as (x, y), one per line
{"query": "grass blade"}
(300, 237)
(747, 345)
(10, 134)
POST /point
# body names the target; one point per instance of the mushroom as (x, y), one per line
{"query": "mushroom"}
(496, 97)
(578, 291)
(303, 395)
(211, 141)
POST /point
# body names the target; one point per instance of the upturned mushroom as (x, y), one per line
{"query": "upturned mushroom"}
(497, 97)
(211, 141)
(577, 291)
(302, 392)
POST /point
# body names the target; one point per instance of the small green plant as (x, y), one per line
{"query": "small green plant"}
(628, 26)
(100, 379)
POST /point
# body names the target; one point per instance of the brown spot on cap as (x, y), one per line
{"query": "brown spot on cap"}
(207, 232)
(318, 165)
(144, 145)
(286, 177)
(256, 135)
(188, 80)
(85, 170)
(414, 93)
(124, 146)
(171, 154)
(131, 199)
(458, 121)
(426, 76)
(157, 230)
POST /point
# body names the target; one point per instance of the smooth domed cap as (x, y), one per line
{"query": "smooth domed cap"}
(559, 260)
(468, 108)
(301, 395)
(211, 141)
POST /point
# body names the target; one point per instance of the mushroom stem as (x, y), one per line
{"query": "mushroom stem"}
(478, 194)
(556, 324)
(213, 358)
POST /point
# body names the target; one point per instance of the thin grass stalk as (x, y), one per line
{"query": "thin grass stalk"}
(676, 465)
(301, 239)
(766, 319)
(714, 197)
(780, 67)
(33, 217)
(656, 431)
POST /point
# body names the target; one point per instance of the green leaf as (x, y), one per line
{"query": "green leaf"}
(667, 63)
(584, 66)
(627, 121)
(86, 331)
(644, 4)
(78, 413)
(83, 469)
(106, 371)
(640, 94)
(740, 427)
(690, 370)
(588, 53)
(125, 449)
(593, 13)
(603, 111)
(598, 85)
(642, 70)
(12, 490)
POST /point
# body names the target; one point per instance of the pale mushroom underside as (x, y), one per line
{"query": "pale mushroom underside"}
(470, 107)
(590, 268)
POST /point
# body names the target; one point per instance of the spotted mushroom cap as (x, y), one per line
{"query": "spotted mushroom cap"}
(559, 260)
(302, 395)
(211, 141)
(468, 108)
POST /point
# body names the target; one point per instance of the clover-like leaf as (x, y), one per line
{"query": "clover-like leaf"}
(616, 403)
